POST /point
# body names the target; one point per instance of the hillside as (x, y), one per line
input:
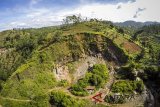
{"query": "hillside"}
(58, 65)
(149, 38)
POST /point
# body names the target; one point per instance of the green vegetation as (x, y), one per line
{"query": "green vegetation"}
(129, 71)
(60, 99)
(63, 83)
(30, 81)
(96, 77)
(127, 87)
(149, 38)
(10, 103)
(28, 57)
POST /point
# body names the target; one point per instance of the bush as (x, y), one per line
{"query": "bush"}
(60, 99)
(78, 89)
(128, 87)
(26, 46)
(96, 80)
(63, 83)
(122, 87)
(101, 70)
(139, 86)
(57, 37)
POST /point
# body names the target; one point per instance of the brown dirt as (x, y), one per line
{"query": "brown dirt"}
(131, 47)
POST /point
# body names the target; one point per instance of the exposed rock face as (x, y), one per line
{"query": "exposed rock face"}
(149, 98)
(62, 73)
(82, 66)
(145, 99)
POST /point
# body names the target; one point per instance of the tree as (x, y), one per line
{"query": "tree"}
(96, 80)
(25, 46)
(72, 19)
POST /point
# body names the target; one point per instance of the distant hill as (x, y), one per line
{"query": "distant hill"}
(134, 24)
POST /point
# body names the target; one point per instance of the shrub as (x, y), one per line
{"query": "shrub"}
(122, 87)
(60, 99)
(101, 70)
(63, 83)
(25, 47)
(139, 86)
(128, 87)
(96, 80)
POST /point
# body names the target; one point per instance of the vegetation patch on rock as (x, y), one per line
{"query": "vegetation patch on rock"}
(97, 77)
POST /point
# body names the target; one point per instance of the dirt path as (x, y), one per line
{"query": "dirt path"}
(13, 99)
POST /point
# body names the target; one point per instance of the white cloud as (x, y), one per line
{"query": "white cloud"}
(38, 17)
(107, 11)
(110, 11)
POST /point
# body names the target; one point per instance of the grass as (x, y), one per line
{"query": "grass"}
(78, 28)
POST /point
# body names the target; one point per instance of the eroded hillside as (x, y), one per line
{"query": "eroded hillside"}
(60, 65)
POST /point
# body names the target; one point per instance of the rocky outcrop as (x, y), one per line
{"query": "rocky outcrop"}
(84, 64)
(62, 72)
(149, 99)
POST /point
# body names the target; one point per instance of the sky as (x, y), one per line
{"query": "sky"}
(40, 13)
